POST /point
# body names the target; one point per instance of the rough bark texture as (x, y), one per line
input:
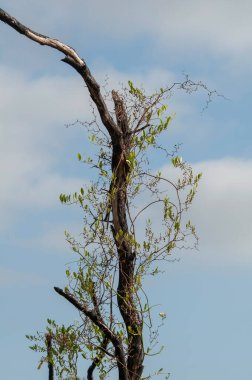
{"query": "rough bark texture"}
(126, 256)
(130, 366)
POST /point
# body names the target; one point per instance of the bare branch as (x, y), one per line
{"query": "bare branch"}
(73, 59)
(40, 38)
(97, 360)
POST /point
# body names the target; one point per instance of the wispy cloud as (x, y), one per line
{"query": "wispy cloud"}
(223, 27)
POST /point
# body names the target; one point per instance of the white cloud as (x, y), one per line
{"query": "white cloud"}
(222, 212)
(33, 138)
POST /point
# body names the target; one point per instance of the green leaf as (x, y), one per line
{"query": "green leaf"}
(176, 161)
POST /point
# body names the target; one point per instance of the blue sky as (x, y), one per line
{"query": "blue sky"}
(207, 294)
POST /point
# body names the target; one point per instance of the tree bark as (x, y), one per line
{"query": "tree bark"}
(49, 356)
(125, 290)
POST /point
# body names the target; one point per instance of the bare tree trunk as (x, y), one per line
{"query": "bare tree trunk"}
(125, 290)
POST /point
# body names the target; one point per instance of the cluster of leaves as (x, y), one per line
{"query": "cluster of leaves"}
(64, 351)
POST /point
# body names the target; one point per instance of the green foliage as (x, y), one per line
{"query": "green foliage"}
(93, 277)
(66, 348)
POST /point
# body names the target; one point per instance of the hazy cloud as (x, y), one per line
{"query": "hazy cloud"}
(223, 27)
(222, 212)
(33, 138)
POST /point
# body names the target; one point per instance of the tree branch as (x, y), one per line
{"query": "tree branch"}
(98, 359)
(95, 94)
(73, 59)
(39, 38)
(98, 321)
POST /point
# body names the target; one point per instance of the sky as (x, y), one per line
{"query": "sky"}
(207, 293)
